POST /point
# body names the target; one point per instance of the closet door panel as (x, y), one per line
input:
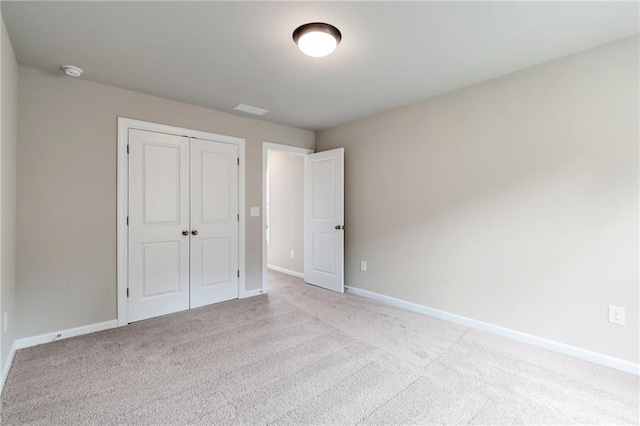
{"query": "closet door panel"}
(158, 215)
(214, 222)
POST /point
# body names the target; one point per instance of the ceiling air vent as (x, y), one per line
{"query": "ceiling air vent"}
(250, 109)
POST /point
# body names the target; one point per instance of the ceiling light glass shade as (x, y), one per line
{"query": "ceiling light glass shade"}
(317, 39)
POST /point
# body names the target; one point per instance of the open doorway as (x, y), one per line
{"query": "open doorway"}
(283, 210)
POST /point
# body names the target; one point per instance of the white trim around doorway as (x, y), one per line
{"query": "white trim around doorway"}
(266, 147)
(122, 200)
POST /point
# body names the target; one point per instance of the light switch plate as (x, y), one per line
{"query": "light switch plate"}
(255, 211)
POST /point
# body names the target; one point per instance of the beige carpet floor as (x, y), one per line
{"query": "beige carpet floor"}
(303, 355)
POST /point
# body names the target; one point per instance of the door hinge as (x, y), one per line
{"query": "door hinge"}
(127, 291)
(127, 220)
(127, 148)
(238, 217)
(238, 273)
(238, 161)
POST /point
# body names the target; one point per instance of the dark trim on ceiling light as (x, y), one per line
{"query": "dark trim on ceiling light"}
(317, 26)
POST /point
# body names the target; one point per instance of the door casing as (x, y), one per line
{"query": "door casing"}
(124, 124)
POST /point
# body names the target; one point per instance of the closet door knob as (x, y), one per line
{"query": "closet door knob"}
(194, 232)
(185, 232)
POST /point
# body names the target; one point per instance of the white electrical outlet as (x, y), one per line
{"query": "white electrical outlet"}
(6, 321)
(363, 266)
(292, 254)
(255, 211)
(616, 315)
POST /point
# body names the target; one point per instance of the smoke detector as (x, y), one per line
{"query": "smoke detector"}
(72, 71)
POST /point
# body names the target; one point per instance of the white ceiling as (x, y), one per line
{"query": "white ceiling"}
(220, 54)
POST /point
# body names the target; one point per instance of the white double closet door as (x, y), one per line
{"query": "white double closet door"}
(183, 223)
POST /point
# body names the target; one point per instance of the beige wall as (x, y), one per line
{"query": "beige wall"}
(8, 156)
(67, 192)
(513, 202)
(286, 205)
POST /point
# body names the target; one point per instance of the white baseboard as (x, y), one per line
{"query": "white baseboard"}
(286, 271)
(251, 293)
(49, 337)
(7, 365)
(64, 334)
(595, 357)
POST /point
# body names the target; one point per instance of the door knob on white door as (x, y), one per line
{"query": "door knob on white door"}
(185, 232)
(194, 232)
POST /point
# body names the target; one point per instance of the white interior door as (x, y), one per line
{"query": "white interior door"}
(324, 219)
(214, 222)
(158, 217)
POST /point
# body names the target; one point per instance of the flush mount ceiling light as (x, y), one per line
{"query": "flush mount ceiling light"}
(72, 71)
(317, 39)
